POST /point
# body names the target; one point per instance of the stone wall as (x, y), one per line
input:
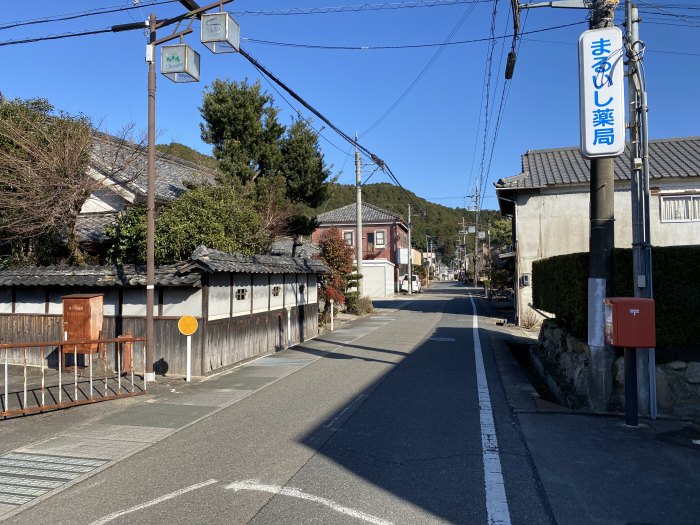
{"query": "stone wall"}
(565, 360)
(677, 387)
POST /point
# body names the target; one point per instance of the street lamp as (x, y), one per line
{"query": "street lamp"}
(180, 63)
(220, 33)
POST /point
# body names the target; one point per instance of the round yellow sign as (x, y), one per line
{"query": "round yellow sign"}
(187, 325)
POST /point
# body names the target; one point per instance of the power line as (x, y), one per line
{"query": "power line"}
(358, 8)
(559, 42)
(487, 90)
(654, 6)
(379, 162)
(81, 14)
(356, 48)
(430, 63)
(54, 37)
(298, 112)
(402, 46)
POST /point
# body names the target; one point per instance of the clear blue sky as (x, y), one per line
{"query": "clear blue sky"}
(433, 140)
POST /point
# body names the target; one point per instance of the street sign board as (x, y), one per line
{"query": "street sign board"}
(187, 325)
(601, 92)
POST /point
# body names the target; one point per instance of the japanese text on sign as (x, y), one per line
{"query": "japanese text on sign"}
(601, 92)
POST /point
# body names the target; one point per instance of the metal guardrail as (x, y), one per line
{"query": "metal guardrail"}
(34, 396)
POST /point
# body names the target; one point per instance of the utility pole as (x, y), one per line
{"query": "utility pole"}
(151, 202)
(410, 254)
(358, 204)
(600, 261)
(476, 239)
(641, 242)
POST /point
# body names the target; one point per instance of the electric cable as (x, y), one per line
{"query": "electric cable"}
(653, 6)
(379, 162)
(489, 66)
(402, 46)
(357, 8)
(430, 63)
(55, 37)
(298, 112)
(83, 14)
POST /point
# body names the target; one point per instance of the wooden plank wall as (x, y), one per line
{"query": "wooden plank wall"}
(230, 341)
(215, 345)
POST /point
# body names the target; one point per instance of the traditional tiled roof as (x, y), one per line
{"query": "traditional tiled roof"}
(126, 275)
(668, 158)
(185, 273)
(348, 215)
(216, 261)
(126, 164)
(90, 227)
(284, 247)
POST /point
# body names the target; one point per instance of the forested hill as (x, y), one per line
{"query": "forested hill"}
(183, 152)
(441, 224)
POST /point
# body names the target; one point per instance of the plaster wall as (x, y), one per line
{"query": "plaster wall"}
(551, 222)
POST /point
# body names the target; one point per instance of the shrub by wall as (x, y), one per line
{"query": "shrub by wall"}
(560, 286)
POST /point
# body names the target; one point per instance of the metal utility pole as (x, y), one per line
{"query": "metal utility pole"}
(151, 201)
(358, 212)
(645, 358)
(600, 261)
(410, 254)
(476, 239)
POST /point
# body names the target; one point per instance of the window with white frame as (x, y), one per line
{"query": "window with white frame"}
(682, 208)
(380, 238)
(348, 237)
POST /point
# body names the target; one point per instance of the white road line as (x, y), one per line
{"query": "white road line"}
(296, 493)
(156, 501)
(496, 502)
(357, 401)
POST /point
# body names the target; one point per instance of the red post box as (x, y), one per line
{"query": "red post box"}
(630, 322)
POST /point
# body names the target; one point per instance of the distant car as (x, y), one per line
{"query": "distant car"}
(416, 284)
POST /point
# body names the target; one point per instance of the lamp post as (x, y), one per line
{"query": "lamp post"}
(180, 63)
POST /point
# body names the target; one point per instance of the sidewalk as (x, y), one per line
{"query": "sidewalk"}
(593, 468)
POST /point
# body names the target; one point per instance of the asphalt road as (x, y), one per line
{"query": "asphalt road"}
(391, 426)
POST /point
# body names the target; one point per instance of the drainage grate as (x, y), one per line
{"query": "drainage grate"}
(24, 477)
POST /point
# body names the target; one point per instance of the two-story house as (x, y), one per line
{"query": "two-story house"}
(384, 236)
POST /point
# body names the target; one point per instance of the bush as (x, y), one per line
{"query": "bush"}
(351, 300)
(357, 305)
(560, 286)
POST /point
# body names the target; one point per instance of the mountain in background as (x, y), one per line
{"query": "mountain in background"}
(183, 152)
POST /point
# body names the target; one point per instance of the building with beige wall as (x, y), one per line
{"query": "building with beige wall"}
(549, 205)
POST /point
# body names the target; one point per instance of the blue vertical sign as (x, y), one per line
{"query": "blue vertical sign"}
(601, 92)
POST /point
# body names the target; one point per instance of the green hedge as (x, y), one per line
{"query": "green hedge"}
(560, 286)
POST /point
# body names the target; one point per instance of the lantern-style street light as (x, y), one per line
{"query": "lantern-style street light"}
(179, 63)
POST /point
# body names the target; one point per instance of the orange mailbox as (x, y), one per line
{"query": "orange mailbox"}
(630, 322)
(82, 319)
